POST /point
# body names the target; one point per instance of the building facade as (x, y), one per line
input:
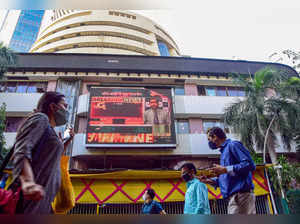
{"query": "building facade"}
(20, 29)
(104, 32)
(111, 178)
(201, 89)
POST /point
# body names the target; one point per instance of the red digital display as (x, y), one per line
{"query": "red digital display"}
(130, 116)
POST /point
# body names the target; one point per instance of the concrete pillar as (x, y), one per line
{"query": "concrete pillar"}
(190, 89)
(82, 123)
(173, 52)
(85, 88)
(196, 126)
(51, 86)
(79, 164)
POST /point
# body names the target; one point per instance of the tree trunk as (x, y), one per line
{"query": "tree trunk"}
(273, 156)
(272, 150)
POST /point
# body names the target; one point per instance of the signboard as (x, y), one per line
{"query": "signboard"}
(130, 117)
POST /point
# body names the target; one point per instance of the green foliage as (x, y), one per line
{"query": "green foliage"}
(7, 58)
(293, 197)
(3, 150)
(289, 171)
(258, 160)
(251, 117)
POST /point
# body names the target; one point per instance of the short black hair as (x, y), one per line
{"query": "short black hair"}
(151, 193)
(189, 166)
(46, 99)
(217, 132)
(157, 98)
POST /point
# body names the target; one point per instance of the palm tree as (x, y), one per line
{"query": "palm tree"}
(271, 109)
(7, 59)
(293, 88)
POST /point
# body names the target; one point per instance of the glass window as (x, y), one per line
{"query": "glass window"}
(26, 29)
(21, 87)
(210, 91)
(32, 87)
(179, 91)
(41, 87)
(201, 91)
(233, 91)
(37, 87)
(2, 87)
(241, 92)
(11, 87)
(183, 127)
(13, 123)
(221, 91)
(207, 124)
(163, 49)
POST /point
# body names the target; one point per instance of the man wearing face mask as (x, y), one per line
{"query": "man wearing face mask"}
(150, 206)
(234, 173)
(196, 195)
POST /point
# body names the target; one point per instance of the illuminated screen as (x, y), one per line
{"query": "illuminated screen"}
(130, 116)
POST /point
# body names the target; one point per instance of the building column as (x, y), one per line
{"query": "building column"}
(173, 52)
(78, 164)
(82, 124)
(196, 126)
(51, 86)
(71, 91)
(190, 89)
(85, 87)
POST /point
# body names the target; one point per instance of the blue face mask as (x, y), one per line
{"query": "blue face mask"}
(212, 145)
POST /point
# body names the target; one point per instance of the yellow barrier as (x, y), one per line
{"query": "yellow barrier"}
(128, 186)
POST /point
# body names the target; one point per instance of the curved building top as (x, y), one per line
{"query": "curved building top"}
(104, 32)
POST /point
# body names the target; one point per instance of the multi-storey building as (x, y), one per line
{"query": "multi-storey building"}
(112, 170)
(20, 28)
(104, 32)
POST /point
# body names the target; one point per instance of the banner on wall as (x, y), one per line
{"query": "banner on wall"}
(130, 117)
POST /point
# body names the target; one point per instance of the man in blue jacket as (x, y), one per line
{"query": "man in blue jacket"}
(234, 173)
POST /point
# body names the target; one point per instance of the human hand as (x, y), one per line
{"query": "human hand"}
(218, 170)
(72, 133)
(32, 191)
(68, 136)
(205, 179)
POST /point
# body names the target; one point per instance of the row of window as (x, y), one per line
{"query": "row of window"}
(214, 91)
(113, 13)
(183, 126)
(23, 87)
(26, 29)
(40, 87)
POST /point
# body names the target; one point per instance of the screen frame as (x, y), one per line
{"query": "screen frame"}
(172, 145)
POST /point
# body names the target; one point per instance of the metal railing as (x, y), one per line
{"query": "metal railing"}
(216, 206)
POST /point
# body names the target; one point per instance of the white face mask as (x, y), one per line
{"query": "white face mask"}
(144, 197)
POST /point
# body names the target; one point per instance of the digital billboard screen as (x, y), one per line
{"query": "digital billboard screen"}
(133, 117)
